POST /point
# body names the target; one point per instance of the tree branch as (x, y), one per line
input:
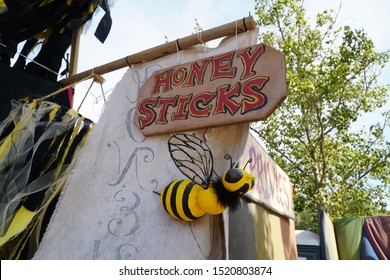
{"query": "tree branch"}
(280, 152)
(279, 25)
(321, 143)
(378, 163)
(332, 23)
(353, 167)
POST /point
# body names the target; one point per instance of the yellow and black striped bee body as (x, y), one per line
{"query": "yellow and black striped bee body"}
(179, 199)
(189, 200)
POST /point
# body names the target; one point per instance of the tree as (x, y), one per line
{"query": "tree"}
(315, 136)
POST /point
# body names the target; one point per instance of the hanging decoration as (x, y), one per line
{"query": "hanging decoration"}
(51, 23)
(205, 191)
(39, 145)
(46, 30)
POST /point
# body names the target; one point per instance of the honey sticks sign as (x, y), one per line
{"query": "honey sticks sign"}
(243, 85)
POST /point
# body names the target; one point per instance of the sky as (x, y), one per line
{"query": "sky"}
(140, 25)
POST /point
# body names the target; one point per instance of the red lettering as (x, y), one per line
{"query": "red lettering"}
(252, 89)
(202, 99)
(146, 108)
(178, 76)
(222, 67)
(181, 113)
(162, 79)
(224, 95)
(196, 72)
(164, 103)
(249, 60)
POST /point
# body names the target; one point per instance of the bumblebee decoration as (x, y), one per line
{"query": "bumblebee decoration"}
(204, 191)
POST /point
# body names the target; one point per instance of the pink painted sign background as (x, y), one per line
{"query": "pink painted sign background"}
(273, 188)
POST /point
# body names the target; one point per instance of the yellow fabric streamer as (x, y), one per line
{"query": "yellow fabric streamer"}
(40, 129)
(19, 223)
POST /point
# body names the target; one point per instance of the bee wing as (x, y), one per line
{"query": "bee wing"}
(192, 156)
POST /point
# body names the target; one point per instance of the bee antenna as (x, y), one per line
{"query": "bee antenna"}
(249, 161)
(229, 157)
(156, 192)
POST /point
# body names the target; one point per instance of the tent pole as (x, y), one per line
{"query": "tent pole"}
(74, 54)
(231, 28)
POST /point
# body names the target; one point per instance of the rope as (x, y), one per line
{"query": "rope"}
(62, 89)
(85, 96)
(199, 35)
(236, 35)
(178, 49)
(96, 78)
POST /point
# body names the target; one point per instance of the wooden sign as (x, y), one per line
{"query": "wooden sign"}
(243, 85)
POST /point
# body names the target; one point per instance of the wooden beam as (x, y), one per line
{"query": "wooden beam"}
(234, 27)
(74, 54)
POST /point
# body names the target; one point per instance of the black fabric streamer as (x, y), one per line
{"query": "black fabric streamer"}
(16, 84)
(105, 23)
(59, 20)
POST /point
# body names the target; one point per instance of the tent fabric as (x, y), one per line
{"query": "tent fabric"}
(352, 238)
(274, 235)
(328, 244)
(368, 252)
(377, 230)
(349, 232)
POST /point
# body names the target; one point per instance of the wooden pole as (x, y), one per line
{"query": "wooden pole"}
(74, 54)
(231, 28)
